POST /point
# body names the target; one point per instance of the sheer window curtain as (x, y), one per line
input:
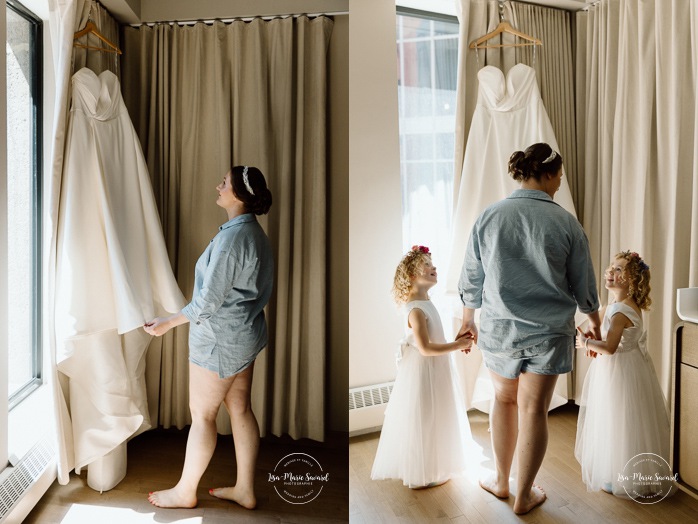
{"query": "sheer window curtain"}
(553, 65)
(639, 116)
(203, 98)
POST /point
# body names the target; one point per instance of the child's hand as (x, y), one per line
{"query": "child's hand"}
(466, 342)
(581, 344)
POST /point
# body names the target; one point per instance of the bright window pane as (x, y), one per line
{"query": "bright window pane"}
(427, 55)
(23, 199)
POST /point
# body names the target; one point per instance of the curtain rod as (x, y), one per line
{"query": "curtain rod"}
(241, 18)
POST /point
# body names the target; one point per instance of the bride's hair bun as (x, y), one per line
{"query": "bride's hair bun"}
(537, 160)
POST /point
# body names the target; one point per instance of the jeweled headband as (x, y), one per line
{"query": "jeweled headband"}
(246, 180)
(550, 158)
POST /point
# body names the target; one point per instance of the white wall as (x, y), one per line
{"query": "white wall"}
(157, 10)
(446, 7)
(3, 243)
(375, 208)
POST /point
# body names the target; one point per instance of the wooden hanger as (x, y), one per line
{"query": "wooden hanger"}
(91, 28)
(504, 27)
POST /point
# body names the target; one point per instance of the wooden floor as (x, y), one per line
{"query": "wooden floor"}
(155, 461)
(461, 500)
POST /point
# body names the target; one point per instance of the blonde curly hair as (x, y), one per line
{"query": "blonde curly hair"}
(409, 267)
(637, 273)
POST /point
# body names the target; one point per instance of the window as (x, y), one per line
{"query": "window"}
(24, 66)
(427, 47)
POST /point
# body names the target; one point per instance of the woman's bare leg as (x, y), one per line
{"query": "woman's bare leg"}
(503, 429)
(535, 394)
(206, 392)
(246, 435)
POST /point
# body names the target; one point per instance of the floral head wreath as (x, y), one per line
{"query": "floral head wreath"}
(422, 249)
(634, 256)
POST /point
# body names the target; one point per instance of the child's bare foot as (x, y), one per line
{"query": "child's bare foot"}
(498, 489)
(244, 498)
(172, 498)
(535, 498)
(431, 485)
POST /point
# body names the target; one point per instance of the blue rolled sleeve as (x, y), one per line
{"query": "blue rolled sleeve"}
(217, 283)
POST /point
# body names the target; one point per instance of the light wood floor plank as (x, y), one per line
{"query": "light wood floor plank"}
(155, 459)
(462, 501)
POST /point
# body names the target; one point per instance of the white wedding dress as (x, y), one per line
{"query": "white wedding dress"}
(509, 117)
(112, 274)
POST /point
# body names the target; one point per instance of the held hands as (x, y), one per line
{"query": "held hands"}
(468, 328)
(466, 342)
(582, 343)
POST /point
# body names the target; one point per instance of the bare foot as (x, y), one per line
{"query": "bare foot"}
(498, 489)
(431, 485)
(172, 498)
(246, 499)
(535, 498)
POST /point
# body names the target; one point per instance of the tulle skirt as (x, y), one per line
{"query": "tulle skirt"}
(426, 435)
(622, 415)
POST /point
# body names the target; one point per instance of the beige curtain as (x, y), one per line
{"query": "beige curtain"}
(638, 112)
(97, 61)
(203, 98)
(476, 18)
(553, 64)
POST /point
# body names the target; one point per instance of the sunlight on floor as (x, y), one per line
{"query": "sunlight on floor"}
(80, 514)
(476, 455)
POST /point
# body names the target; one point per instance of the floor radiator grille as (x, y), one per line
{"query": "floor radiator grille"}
(15, 481)
(367, 396)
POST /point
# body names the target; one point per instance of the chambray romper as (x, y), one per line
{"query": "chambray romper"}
(233, 281)
(528, 268)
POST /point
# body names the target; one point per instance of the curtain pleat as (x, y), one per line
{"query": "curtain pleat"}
(473, 23)
(553, 63)
(204, 98)
(640, 163)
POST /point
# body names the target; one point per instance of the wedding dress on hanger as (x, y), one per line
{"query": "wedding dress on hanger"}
(509, 116)
(113, 274)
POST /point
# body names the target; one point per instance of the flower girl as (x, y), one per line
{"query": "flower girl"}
(622, 410)
(426, 431)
